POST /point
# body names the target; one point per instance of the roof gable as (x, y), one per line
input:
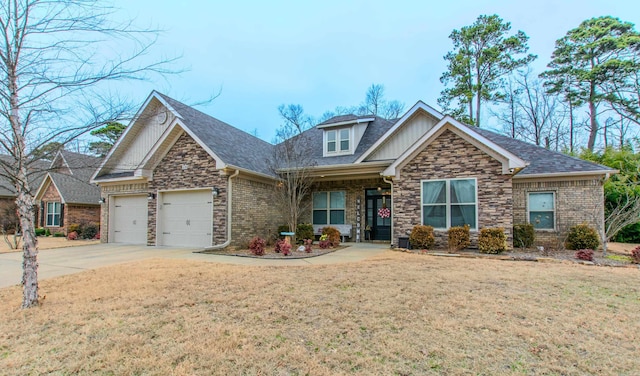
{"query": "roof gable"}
(509, 161)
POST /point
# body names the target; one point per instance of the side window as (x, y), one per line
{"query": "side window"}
(542, 212)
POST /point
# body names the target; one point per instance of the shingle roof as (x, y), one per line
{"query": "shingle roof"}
(541, 160)
(37, 171)
(233, 146)
(343, 118)
(74, 187)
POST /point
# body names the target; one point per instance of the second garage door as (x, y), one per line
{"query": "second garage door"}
(186, 218)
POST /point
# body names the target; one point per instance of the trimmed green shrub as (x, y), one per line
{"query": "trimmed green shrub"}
(582, 237)
(40, 231)
(89, 230)
(333, 235)
(58, 235)
(523, 235)
(304, 231)
(584, 254)
(422, 237)
(459, 238)
(256, 245)
(283, 228)
(492, 240)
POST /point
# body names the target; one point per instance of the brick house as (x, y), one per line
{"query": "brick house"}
(65, 196)
(36, 171)
(182, 178)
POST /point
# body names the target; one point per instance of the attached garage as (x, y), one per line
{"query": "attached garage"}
(128, 219)
(185, 218)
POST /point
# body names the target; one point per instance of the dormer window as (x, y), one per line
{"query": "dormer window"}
(338, 141)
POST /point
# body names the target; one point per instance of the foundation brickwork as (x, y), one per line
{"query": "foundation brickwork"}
(450, 157)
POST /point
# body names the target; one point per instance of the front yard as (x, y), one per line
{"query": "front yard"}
(397, 313)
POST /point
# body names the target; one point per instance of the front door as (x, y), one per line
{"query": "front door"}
(378, 209)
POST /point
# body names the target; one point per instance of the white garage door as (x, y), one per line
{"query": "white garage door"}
(129, 219)
(186, 218)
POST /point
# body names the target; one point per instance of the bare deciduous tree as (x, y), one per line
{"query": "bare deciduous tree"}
(57, 60)
(292, 161)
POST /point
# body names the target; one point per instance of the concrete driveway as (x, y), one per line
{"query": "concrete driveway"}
(63, 261)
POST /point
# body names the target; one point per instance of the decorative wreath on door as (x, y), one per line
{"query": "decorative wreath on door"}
(384, 213)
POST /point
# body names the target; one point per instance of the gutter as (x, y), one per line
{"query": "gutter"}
(229, 208)
(393, 201)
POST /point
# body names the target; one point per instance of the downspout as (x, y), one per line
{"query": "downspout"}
(229, 207)
(393, 201)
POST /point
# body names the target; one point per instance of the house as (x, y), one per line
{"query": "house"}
(65, 196)
(182, 178)
(36, 172)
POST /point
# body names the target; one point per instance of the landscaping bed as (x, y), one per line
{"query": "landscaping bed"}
(271, 254)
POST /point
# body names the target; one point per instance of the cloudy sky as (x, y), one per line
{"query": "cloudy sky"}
(323, 54)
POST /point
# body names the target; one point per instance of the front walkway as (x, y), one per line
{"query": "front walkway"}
(64, 261)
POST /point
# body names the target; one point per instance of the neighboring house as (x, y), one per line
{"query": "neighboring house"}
(66, 195)
(180, 177)
(7, 188)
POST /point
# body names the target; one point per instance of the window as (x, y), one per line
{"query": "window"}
(53, 214)
(448, 203)
(328, 208)
(542, 213)
(338, 141)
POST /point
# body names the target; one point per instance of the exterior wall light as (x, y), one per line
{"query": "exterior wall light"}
(151, 196)
(102, 200)
(215, 192)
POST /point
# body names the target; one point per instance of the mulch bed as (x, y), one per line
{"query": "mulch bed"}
(534, 255)
(271, 254)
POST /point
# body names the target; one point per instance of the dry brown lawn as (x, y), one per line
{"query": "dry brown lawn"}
(49, 242)
(397, 313)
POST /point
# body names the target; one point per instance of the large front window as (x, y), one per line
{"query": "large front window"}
(53, 214)
(329, 208)
(449, 203)
(542, 210)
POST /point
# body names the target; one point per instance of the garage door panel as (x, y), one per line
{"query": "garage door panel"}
(129, 219)
(186, 218)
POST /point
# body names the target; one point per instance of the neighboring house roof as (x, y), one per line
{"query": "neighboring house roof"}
(542, 161)
(70, 174)
(37, 170)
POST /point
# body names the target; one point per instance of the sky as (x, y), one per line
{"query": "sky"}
(322, 54)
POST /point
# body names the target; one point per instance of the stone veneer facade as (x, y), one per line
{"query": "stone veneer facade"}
(577, 201)
(450, 157)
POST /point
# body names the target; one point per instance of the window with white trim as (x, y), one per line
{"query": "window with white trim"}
(329, 208)
(338, 141)
(448, 203)
(542, 210)
(53, 214)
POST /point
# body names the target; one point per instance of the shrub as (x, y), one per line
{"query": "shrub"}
(333, 235)
(88, 230)
(582, 237)
(74, 227)
(422, 237)
(283, 228)
(307, 245)
(458, 238)
(286, 249)
(73, 235)
(58, 235)
(47, 232)
(584, 254)
(324, 242)
(278, 246)
(523, 235)
(635, 255)
(304, 231)
(256, 246)
(40, 231)
(492, 240)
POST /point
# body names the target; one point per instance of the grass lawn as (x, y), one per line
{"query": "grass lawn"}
(397, 313)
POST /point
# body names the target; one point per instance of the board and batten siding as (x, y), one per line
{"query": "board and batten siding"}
(140, 140)
(415, 127)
